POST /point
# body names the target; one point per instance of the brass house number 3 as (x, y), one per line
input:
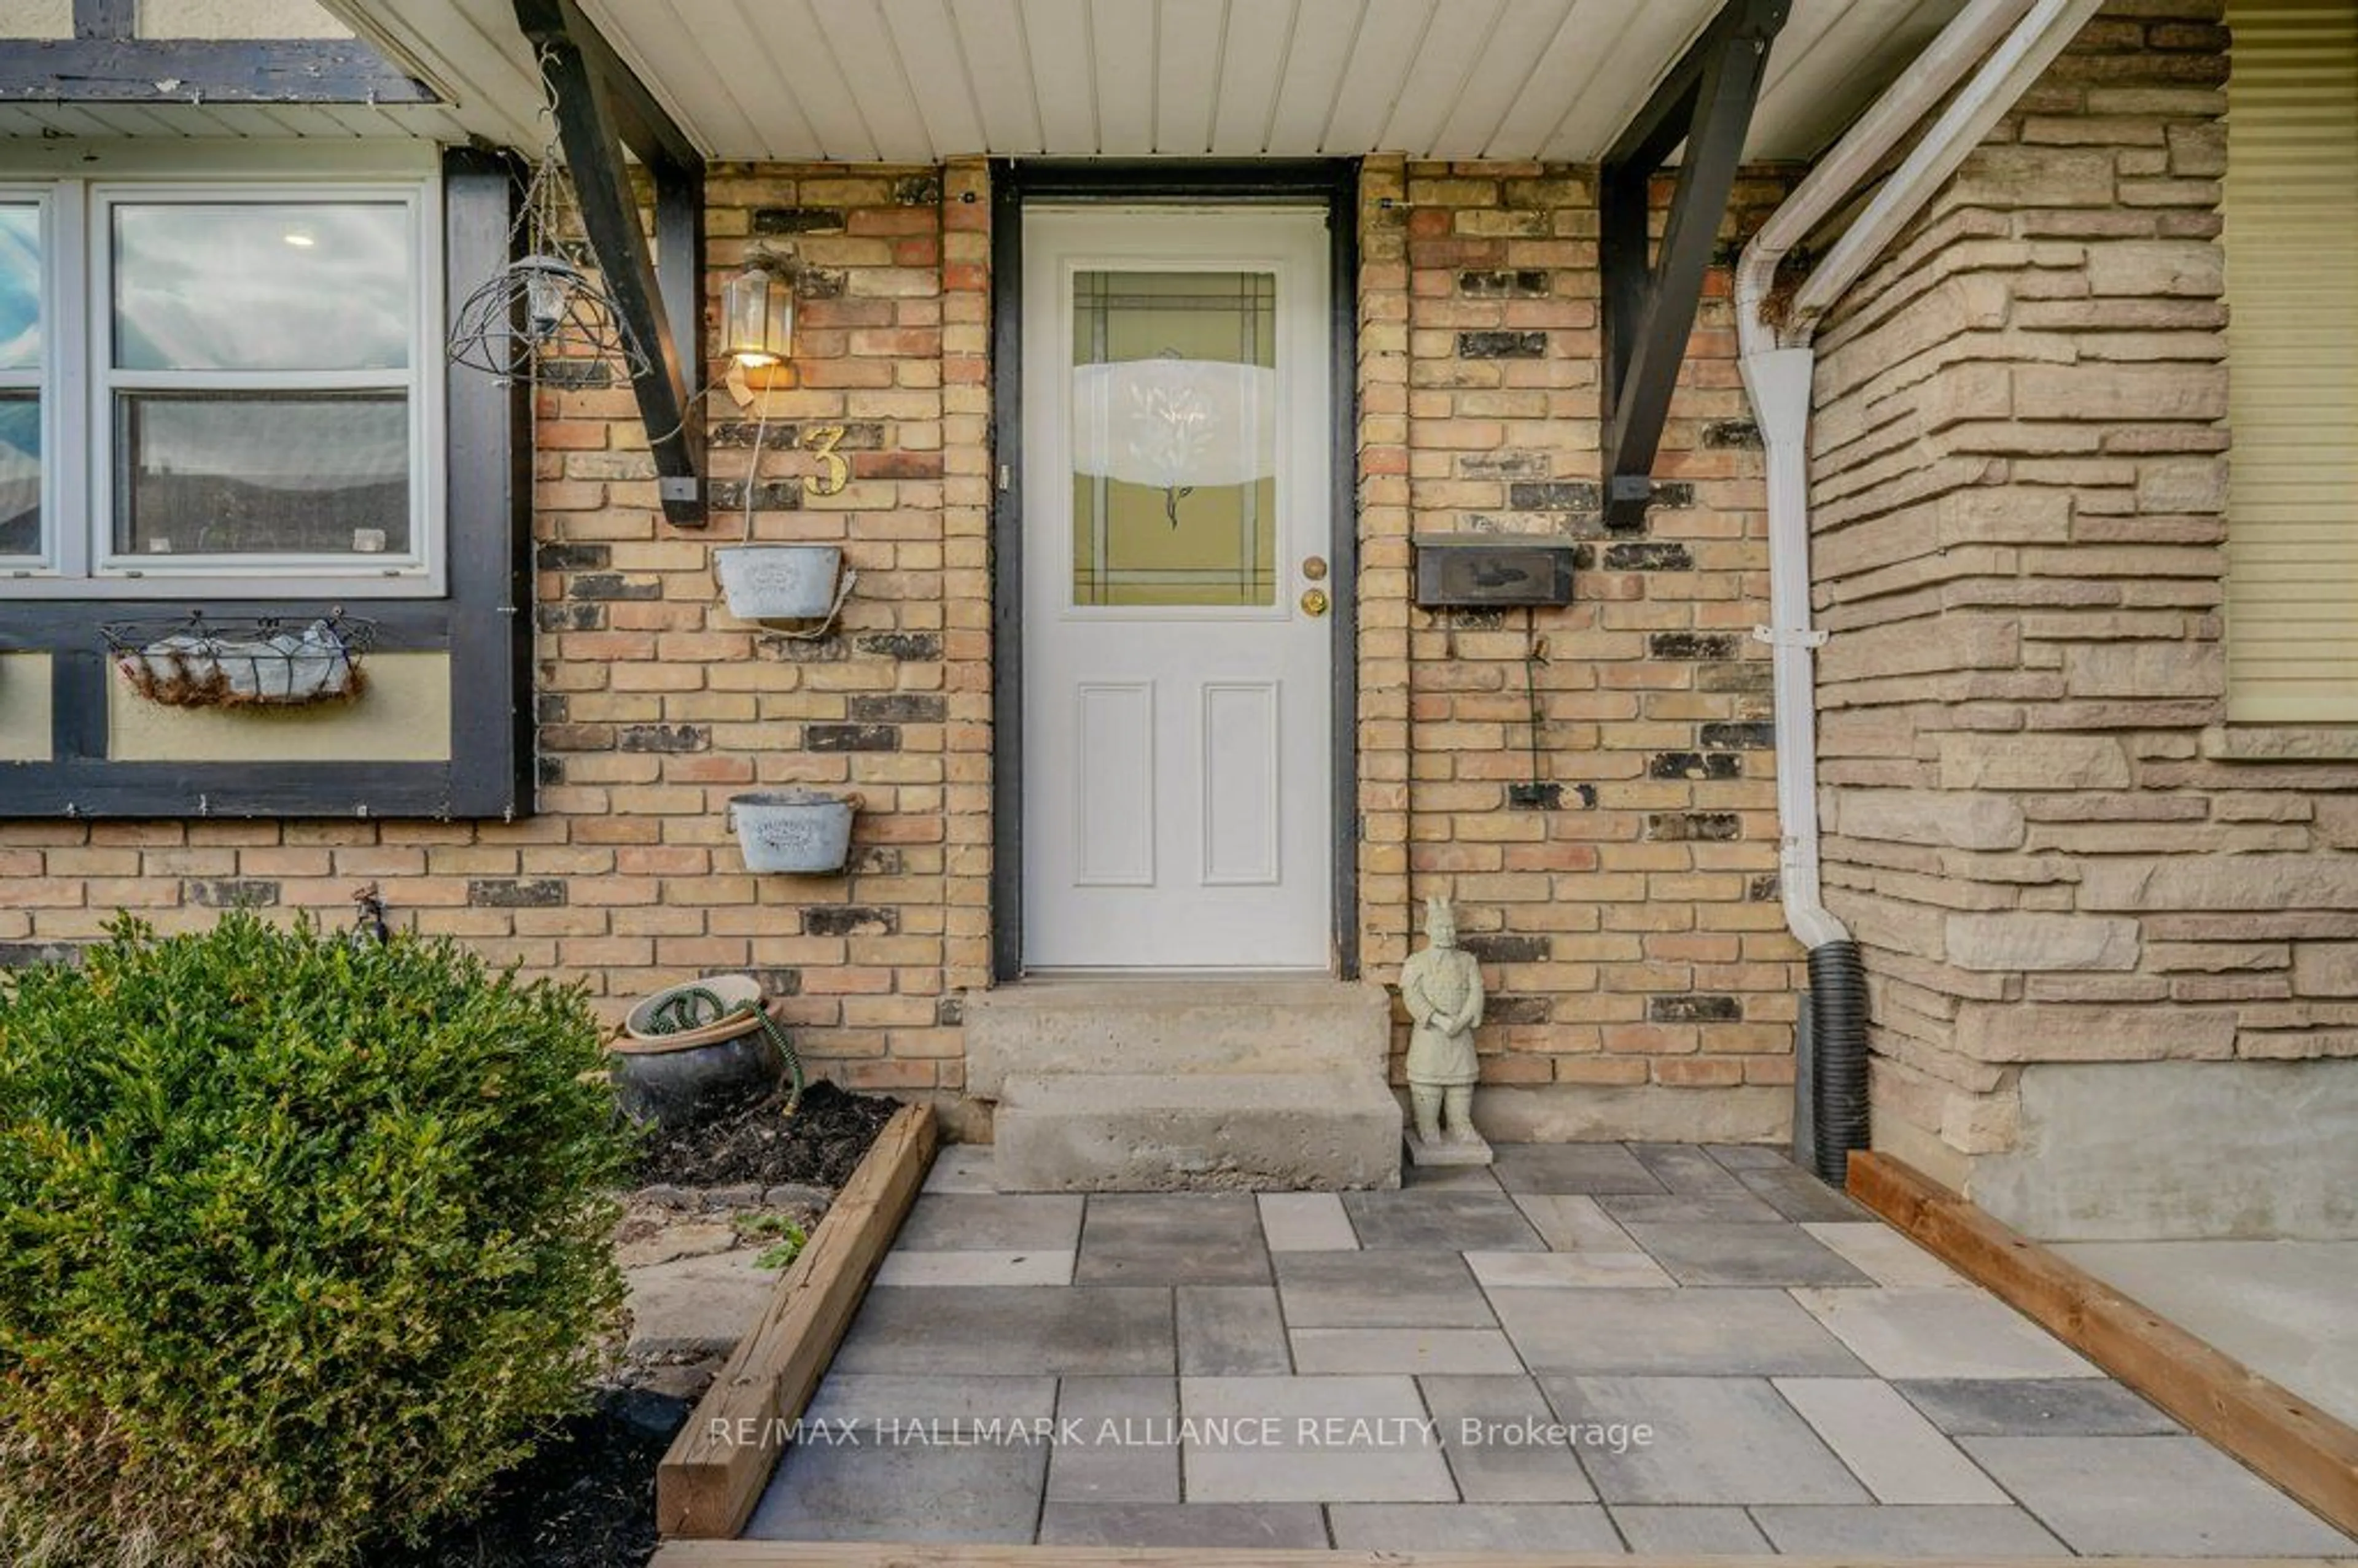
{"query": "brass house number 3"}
(835, 473)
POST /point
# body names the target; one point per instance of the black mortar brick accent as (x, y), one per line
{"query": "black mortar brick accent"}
(1764, 889)
(31, 955)
(1647, 556)
(828, 650)
(799, 220)
(553, 557)
(230, 893)
(876, 861)
(851, 737)
(1693, 645)
(569, 617)
(1520, 283)
(550, 707)
(1750, 735)
(1731, 433)
(916, 645)
(612, 586)
(770, 495)
(1693, 1009)
(1514, 1009)
(511, 893)
(1507, 948)
(1751, 676)
(577, 374)
(900, 708)
(849, 920)
(549, 770)
(1501, 345)
(917, 191)
(666, 737)
(950, 1012)
(1695, 765)
(1682, 826)
(1554, 495)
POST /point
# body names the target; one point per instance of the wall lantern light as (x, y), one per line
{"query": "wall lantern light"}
(757, 318)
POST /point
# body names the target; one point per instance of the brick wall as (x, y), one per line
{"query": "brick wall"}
(2050, 846)
(1630, 929)
(1632, 938)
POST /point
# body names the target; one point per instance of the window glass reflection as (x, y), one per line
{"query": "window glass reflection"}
(21, 474)
(288, 287)
(242, 474)
(20, 287)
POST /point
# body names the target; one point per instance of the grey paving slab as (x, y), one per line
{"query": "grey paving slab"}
(1173, 1238)
(1236, 1526)
(1928, 1333)
(1886, 1255)
(1412, 1350)
(1719, 1254)
(1910, 1531)
(1704, 1440)
(1749, 1156)
(1449, 1178)
(1232, 1331)
(1471, 1526)
(1425, 1220)
(1380, 1290)
(1688, 1332)
(1886, 1441)
(1335, 1440)
(2035, 1407)
(1045, 1267)
(1659, 1530)
(1010, 1331)
(1117, 1441)
(1570, 1271)
(1799, 1195)
(1571, 1168)
(1503, 1443)
(1573, 1222)
(872, 1400)
(1306, 1222)
(961, 1168)
(2162, 1496)
(1688, 1208)
(943, 1221)
(1687, 1169)
(912, 1492)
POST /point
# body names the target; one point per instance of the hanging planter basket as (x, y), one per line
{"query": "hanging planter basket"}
(802, 832)
(265, 662)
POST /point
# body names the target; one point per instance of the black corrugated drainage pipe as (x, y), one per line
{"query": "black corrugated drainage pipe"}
(1838, 1042)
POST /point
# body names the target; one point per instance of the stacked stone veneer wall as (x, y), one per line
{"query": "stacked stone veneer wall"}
(2058, 857)
(1631, 935)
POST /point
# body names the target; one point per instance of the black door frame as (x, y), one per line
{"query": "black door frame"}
(1333, 183)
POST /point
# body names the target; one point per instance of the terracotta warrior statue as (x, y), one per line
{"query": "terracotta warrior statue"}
(1441, 986)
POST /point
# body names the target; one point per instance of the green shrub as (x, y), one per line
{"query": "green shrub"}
(300, 1241)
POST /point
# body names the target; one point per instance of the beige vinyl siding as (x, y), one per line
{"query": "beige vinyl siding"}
(2291, 212)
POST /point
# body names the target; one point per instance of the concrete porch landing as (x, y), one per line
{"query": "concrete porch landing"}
(1208, 1084)
(1380, 1370)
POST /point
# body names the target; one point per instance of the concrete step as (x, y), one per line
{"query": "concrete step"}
(1077, 1132)
(1216, 1024)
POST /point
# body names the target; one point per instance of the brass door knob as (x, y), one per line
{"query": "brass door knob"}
(1314, 602)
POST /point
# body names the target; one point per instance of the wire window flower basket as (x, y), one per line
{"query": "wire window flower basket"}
(262, 662)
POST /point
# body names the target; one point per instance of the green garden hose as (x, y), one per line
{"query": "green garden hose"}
(696, 1006)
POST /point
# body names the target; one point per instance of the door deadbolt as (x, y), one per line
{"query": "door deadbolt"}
(1315, 568)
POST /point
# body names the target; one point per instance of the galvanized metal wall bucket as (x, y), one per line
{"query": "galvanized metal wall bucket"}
(795, 830)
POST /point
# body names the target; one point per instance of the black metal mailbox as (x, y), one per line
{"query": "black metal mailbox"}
(1491, 570)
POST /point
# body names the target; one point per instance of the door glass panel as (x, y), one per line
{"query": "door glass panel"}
(1174, 439)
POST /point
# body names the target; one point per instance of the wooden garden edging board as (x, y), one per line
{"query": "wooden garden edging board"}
(717, 1466)
(851, 1555)
(2275, 1432)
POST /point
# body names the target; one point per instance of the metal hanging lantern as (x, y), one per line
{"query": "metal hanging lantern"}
(757, 317)
(549, 305)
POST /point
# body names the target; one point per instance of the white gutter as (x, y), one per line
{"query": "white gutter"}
(2020, 37)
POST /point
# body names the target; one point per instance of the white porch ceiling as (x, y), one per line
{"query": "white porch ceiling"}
(920, 79)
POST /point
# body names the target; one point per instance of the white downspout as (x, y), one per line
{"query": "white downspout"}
(2021, 37)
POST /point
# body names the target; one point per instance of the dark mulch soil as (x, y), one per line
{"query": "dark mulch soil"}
(821, 1144)
(587, 1499)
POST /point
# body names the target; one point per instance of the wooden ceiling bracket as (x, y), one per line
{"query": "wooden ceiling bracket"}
(602, 108)
(1651, 292)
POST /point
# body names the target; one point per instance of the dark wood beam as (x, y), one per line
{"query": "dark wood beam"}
(1651, 295)
(602, 109)
(108, 69)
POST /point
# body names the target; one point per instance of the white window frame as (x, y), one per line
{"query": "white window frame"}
(79, 384)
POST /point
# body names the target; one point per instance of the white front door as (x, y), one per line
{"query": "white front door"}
(1176, 786)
